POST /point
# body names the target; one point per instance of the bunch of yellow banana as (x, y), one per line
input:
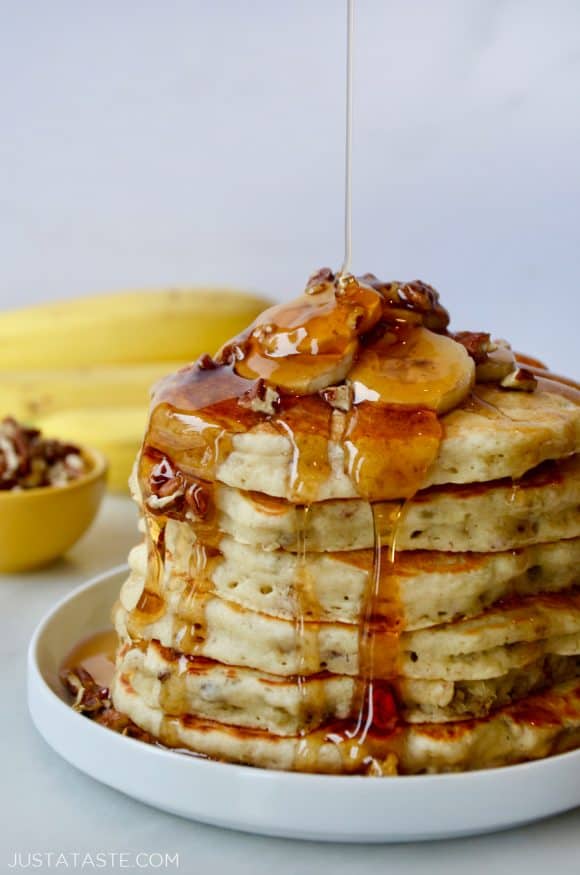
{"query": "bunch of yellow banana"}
(82, 370)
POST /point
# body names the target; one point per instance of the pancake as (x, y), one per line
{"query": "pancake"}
(540, 507)
(542, 725)
(164, 678)
(494, 434)
(501, 638)
(362, 545)
(432, 588)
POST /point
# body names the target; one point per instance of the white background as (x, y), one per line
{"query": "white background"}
(150, 142)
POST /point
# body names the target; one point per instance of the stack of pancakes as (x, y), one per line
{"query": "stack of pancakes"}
(335, 580)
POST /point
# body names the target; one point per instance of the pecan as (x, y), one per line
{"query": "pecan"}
(94, 702)
(155, 502)
(478, 344)
(520, 379)
(113, 719)
(161, 474)
(170, 487)
(231, 353)
(414, 297)
(424, 299)
(198, 498)
(261, 398)
(206, 363)
(339, 397)
(167, 486)
(90, 698)
(28, 460)
(319, 281)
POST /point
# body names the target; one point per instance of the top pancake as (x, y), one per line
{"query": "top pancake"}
(496, 433)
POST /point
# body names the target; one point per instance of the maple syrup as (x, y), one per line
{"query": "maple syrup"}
(96, 655)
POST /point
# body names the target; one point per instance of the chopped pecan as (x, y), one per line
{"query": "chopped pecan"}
(477, 343)
(94, 702)
(414, 297)
(198, 499)
(27, 460)
(520, 379)
(171, 487)
(161, 473)
(319, 281)
(155, 502)
(90, 698)
(261, 398)
(339, 397)
(231, 353)
(113, 719)
(167, 486)
(206, 363)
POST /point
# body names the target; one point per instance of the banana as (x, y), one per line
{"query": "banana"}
(310, 343)
(117, 432)
(28, 395)
(127, 327)
(300, 374)
(427, 370)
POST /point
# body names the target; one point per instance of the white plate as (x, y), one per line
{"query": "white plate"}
(324, 807)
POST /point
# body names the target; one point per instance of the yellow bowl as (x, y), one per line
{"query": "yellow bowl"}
(39, 525)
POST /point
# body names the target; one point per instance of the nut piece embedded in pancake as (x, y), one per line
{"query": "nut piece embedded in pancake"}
(362, 545)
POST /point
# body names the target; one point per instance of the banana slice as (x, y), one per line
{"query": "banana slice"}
(299, 374)
(419, 368)
(310, 343)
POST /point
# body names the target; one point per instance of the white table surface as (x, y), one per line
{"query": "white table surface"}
(46, 805)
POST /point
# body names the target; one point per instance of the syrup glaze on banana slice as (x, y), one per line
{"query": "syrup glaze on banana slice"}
(379, 336)
(309, 344)
(415, 367)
